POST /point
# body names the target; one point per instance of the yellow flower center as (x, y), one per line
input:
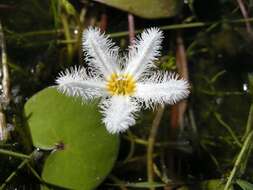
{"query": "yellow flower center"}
(121, 84)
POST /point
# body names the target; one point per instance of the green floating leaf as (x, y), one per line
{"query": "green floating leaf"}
(86, 151)
(151, 9)
(244, 184)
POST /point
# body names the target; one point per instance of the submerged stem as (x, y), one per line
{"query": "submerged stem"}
(27, 159)
(12, 175)
(67, 36)
(125, 33)
(228, 128)
(249, 122)
(14, 154)
(239, 160)
(151, 143)
(5, 96)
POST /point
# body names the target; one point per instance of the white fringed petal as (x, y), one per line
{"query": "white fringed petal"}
(119, 113)
(76, 82)
(100, 52)
(161, 88)
(144, 52)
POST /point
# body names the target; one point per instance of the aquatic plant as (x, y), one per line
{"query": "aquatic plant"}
(125, 84)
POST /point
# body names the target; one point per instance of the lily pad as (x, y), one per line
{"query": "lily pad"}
(86, 151)
(151, 9)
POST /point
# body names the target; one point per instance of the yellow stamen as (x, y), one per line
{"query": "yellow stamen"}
(121, 84)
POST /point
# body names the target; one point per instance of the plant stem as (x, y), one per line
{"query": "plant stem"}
(38, 33)
(27, 159)
(103, 22)
(139, 159)
(245, 15)
(131, 28)
(35, 173)
(183, 26)
(249, 122)
(157, 144)
(21, 165)
(221, 94)
(118, 182)
(125, 33)
(67, 36)
(14, 154)
(132, 147)
(5, 70)
(151, 143)
(243, 152)
(5, 85)
(228, 128)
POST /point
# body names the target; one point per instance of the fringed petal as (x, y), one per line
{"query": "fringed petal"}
(144, 52)
(161, 88)
(76, 82)
(119, 113)
(100, 52)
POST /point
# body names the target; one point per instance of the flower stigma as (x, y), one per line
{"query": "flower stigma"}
(121, 84)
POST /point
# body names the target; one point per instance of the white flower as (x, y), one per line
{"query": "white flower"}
(124, 84)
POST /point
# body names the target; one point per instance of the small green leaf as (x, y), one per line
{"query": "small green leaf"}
(244, 184)
(86, 151)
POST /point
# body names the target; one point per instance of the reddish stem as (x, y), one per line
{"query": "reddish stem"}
(103, 22)
(178, 110)
(131, 28)
(245, 15)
